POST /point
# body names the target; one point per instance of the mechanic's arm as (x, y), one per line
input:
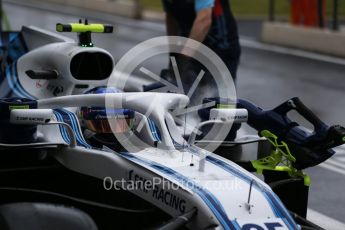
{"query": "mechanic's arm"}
(201, 25)
(200, 29)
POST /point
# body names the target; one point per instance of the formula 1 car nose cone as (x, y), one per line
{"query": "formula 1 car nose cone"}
(14, 133)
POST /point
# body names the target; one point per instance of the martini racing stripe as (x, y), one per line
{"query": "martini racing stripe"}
(14, 47)
(14, 74)
(154, 131)
(70, 118)
(14, 83)
(211, 201)
(62, 128)
(275, 203)
(17, 46)
(76, 128)
(13, 86)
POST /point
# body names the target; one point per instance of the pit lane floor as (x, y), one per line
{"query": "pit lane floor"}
(268, 75)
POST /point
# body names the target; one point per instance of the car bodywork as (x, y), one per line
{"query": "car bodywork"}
(219, 193)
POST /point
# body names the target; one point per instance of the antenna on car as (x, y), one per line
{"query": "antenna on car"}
(248, 204)
(84, 30)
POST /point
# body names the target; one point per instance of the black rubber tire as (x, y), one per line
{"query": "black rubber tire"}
(40, 216)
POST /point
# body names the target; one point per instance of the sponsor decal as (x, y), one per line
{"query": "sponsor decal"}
(169, 199)
(11, 107)
(158, 188)
(39, 84)
(34, 119)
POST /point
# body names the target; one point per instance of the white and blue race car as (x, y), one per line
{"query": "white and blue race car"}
(62, 146)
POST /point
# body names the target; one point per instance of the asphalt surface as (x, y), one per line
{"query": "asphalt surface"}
(265, 77)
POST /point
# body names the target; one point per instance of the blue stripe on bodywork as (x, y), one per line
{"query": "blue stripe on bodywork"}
(274, 201)
(63, 130)
(153, 129)
(14, 83)
(15, 46)
(236, 224)
(69, 118)
(211, 201)
(75, 125)
(17, 82)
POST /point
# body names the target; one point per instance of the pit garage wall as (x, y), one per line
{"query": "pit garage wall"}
(311, 39)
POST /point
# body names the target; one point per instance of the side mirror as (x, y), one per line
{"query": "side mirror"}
(229, 115)
(31, 116)
(36, 117)
(220, 116)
